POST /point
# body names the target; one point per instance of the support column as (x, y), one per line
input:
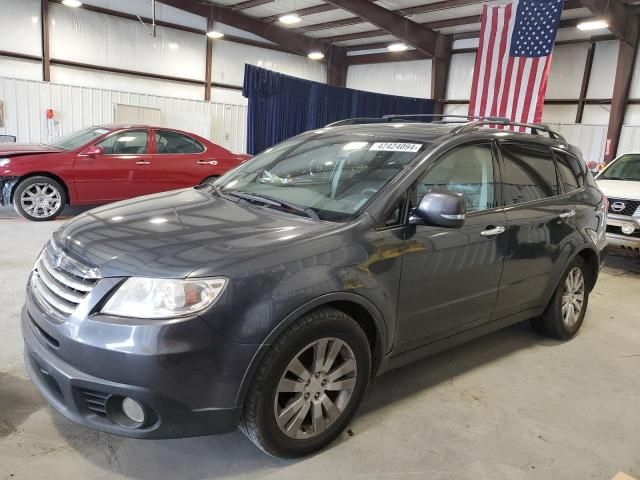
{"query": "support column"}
(440, 72)
(44, 35)
(337, 67)
(588, 65)
(620, 98)
(208, 63)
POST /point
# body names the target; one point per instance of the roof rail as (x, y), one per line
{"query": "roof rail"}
(412, 116)
(535, 128)
(472, 122)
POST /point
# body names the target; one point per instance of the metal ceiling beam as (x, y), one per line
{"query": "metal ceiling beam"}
(292, 41)
(249, 4)
(622, 23)
(405, 12)
(568, 23)
(419, 36)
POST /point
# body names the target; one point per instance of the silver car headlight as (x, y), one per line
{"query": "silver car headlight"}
(152, 298)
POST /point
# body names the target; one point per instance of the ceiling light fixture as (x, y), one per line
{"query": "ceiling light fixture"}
(290, 19)
(71, 3)
(215, 34)
(316, 55)
(397, 47)
(173, 46)
(593, 25)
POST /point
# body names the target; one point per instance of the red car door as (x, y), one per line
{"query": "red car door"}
(118, 169)
(181, 160)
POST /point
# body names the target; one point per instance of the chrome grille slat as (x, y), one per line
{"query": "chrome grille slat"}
(65, 279)
(55, 286)
(44, 292)
(61, 288)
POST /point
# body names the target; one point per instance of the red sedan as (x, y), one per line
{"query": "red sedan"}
(106, 163)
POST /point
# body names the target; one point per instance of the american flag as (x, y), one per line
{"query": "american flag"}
(513, 59)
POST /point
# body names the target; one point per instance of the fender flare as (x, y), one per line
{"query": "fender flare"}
(581, 248)
(381, 328)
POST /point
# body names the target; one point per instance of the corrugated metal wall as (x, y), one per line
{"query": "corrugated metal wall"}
(26, 101)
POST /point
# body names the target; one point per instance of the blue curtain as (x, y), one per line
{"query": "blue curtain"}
(281, 106)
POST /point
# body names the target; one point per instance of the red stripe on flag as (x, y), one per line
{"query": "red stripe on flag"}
(533, 73)
(502, 53)
(542, 91)
(478, 64)
(490, 67)
(507, 86)
(516, 96)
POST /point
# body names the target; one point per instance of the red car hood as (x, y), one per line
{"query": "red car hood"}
(15, 149)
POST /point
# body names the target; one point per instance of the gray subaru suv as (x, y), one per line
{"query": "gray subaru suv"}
(269, 298)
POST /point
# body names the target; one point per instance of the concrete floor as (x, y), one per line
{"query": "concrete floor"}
(511, 405)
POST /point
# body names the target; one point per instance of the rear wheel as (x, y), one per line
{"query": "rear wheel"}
(39, 198)
(309, 385)
(565, 313)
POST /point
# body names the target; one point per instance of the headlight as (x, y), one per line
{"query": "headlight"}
(163, 298)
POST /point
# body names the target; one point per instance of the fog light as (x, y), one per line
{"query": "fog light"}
(628, 228)
(133, 410)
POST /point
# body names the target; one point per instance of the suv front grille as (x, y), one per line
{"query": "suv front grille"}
(59, 282)
(630, 206)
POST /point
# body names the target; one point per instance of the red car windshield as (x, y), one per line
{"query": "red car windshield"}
(80, 138)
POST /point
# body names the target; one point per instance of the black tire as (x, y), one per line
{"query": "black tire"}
(551, 323)
(34, 182)
(258, 420)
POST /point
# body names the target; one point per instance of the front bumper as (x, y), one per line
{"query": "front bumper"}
(188, 387)
(629, 244)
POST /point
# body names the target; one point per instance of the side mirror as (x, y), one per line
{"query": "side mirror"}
(93, 151)
(440, 208)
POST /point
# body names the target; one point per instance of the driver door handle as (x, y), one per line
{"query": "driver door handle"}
(207, 162)
(491, 231)
(567, 214)
(143, 162)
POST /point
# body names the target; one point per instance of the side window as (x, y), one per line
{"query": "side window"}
(131, 142)
(173, 142)
(468, 170)
(528, 173)
(570, 171)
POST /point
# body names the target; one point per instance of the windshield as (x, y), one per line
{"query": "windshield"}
(626, 167)
(79, 139)
(330, 177)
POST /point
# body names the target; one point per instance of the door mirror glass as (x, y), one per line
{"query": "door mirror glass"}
(440, 208)
(94, 151)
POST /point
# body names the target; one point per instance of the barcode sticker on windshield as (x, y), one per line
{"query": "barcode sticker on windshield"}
(396, 147)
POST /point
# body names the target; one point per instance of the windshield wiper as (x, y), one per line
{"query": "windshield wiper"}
(268, 200)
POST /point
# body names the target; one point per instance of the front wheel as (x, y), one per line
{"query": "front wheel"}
(39, 198)
(565, 313)
(308, 386)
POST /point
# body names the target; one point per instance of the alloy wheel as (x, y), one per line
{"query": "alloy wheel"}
(573, 297)
(40, 200)
(315, 388)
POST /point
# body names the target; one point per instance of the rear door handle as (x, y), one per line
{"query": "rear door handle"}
(207, 162)
(567, 214)
(491, 231)
(143, 162)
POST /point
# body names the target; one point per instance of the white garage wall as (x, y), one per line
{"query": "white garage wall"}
(460, 76)
(408, 79)
(25, 103)
(97, 39)
(228, 60)
(85, 77)
(567, 70)
(19, 68)
(20, 26)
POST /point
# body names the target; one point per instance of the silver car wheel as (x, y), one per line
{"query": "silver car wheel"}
(315, 388)
(40, 200)
(573, 297)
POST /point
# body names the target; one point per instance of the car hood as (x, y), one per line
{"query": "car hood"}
(182, 232)
(627, 189)
(17, 149)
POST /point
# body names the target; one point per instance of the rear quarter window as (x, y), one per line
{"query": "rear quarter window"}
(570, 170)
